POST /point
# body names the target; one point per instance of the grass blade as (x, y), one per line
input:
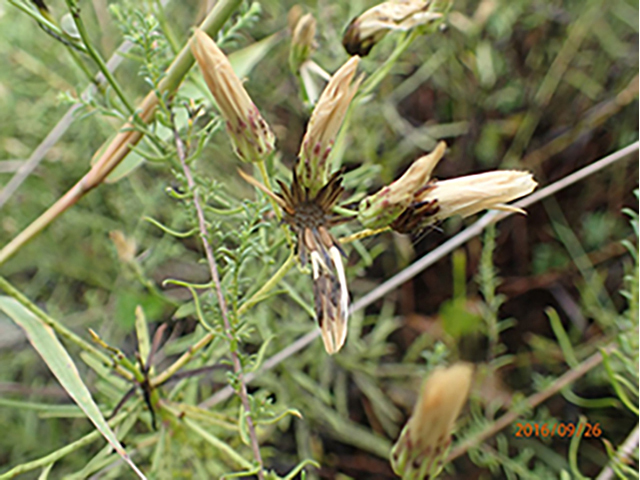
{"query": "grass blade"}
(43, 339)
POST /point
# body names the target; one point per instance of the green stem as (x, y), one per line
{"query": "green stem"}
(48, 24)
(367, 87)
(615, 383)
(182, 361)
(270, 284)
(367, 232)
(219, 444)
(97, 58)
(211, 25)
(574, 446)
(306, 100)
(119, 358)
(374, 80)
(53, 29)
(267, 183)
(164, 25)
(85, 69)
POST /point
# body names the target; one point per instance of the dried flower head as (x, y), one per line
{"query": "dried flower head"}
(327, 117)
(465, 196)
(426, 437)
(310, 216)
(302, 41)
(383, 207)
(369, 28)
(415, 200)
(251, 136)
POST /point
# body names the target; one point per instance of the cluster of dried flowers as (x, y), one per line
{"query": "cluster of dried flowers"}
(412, 202)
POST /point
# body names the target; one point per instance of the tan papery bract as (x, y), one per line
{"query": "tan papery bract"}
(327, 117)
(250, 134)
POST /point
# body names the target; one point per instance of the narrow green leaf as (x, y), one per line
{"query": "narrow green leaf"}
(43, 339)
(563, 338)
(217, 443)
(259, 357)
(243, 61)
(272, 421)
(298, 468)
(243, 426)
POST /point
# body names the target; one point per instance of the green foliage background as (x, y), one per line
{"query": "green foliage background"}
(530, 84)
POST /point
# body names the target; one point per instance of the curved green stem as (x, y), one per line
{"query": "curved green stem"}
(166, 28)
(93, 53)
(374, 80)
(270, 284)
(267, 183)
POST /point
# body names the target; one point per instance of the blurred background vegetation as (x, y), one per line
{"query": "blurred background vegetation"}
(549, 86)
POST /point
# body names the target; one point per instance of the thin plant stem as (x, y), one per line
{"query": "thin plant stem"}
(181, 362)
(83, 67)
(166, 28)
(95, 55)
(204, 341)
(61, 127)
(48, 24)
(267, 183)
(487, 282)
(269, 285)
(216, 442)
(374, 80)
(367, 232)
(306, 101)
(213, 270)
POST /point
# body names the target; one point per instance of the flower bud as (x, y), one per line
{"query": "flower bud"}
(397, 15)
(302, 41)
(425, 439)
(295, 13)
(126, 247)
(382, 208)
(250, 135)
(327, 117)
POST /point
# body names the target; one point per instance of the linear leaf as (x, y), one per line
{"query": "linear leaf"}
(43, 339)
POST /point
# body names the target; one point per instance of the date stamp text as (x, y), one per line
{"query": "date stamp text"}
(558, 429)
